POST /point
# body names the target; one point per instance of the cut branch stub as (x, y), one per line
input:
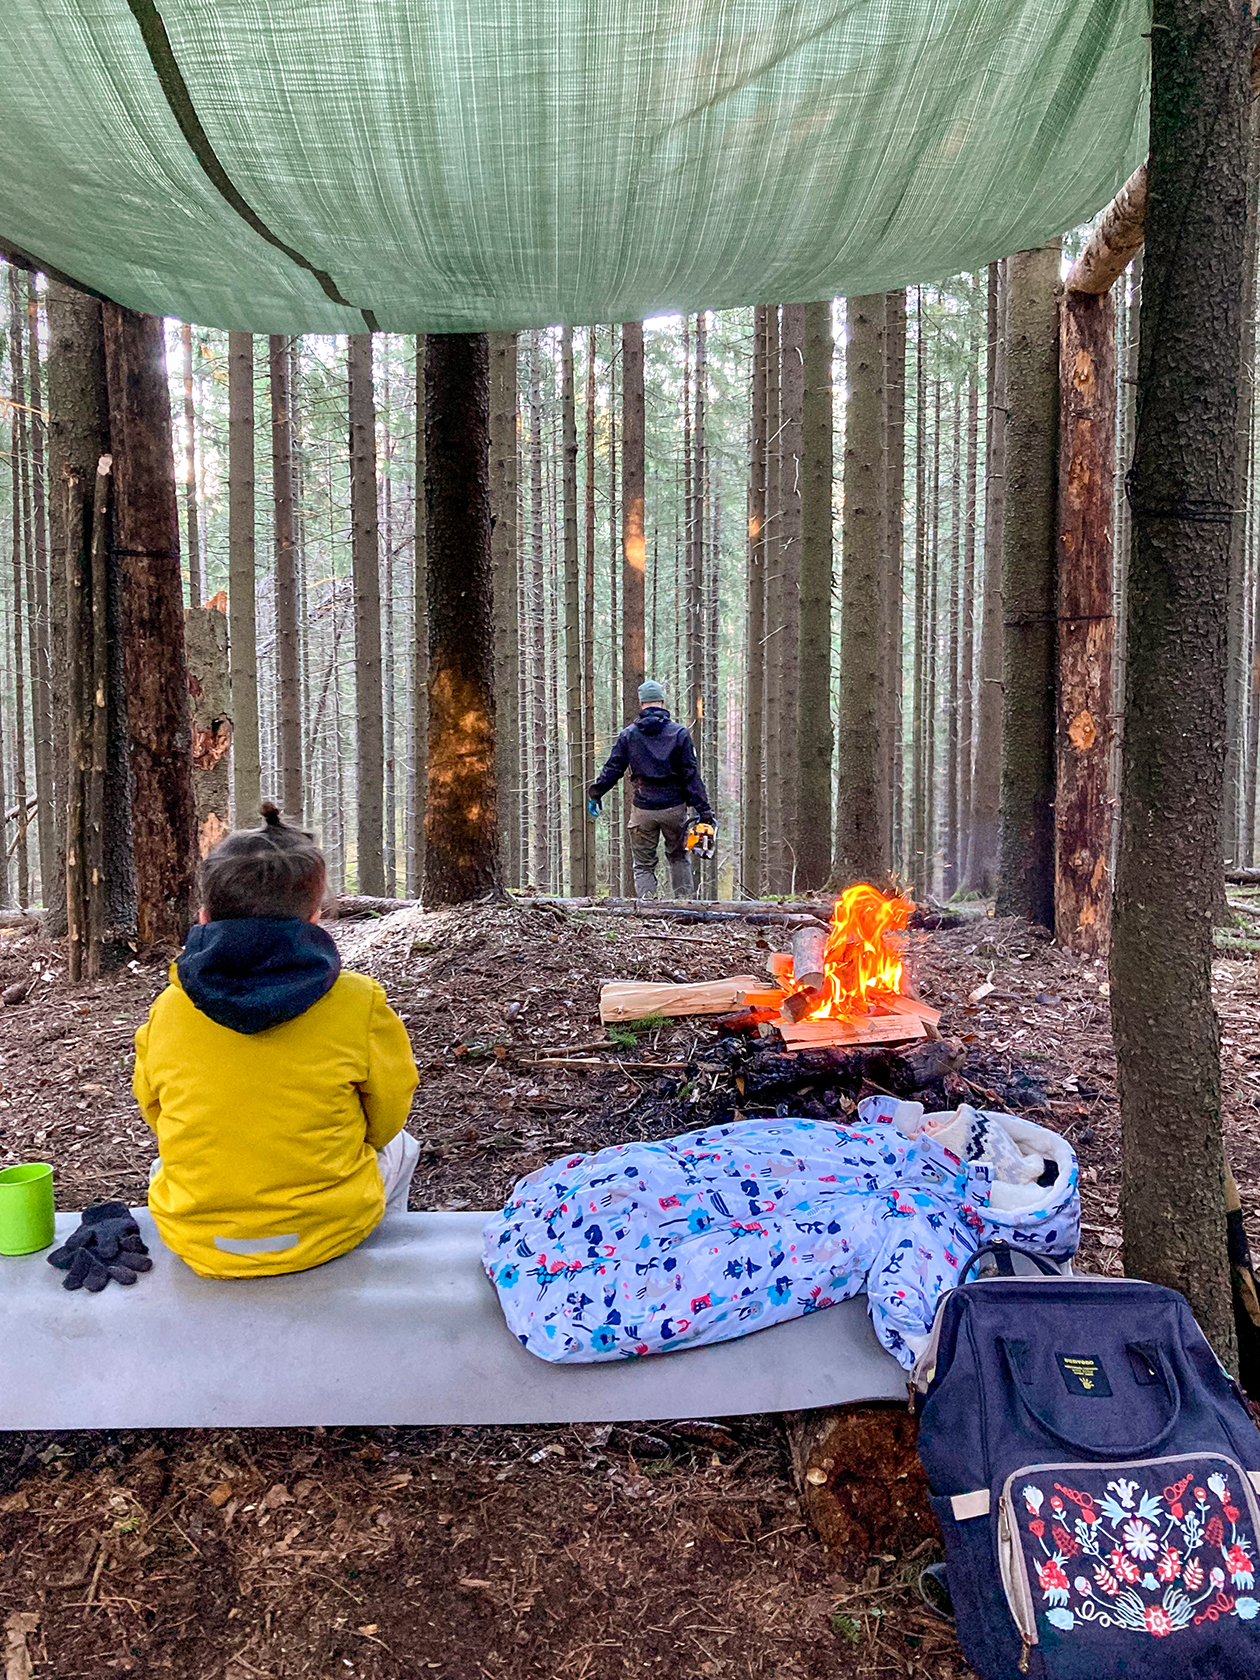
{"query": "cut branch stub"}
(862, 1487)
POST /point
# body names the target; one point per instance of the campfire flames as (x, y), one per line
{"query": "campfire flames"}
(862, 960)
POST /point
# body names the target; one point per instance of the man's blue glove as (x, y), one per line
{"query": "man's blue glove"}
(594, 808)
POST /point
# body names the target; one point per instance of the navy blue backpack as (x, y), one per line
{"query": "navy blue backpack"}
(1094, 1471)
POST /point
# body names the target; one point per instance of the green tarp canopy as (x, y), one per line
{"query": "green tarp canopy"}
(460, 165)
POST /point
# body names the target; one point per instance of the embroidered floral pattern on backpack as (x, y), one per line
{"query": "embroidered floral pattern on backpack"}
(1151, 1562)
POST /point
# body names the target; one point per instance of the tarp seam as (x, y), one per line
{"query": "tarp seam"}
(175, 89)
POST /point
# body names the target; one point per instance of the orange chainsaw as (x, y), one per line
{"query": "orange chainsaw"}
(702, 837)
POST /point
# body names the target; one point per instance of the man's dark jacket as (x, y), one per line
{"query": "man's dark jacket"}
(662, 763)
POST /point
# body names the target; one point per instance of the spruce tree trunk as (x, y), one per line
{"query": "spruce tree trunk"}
(536, 680)
(1182, 491)
(289, 698)
(755, 632)
(616, 871)
(949, 884)
(146, 529)
(894, 567)
(861, 852)
(776, 876)
(366, 565)
(420, 641)
(918, 800)
(967, 677)
(503, 540)
(210, 689)
(196, 582)
(575, 784)
(1087, 463)
(242, 582)
(462, 831)
(633, 538)
(17, 459)
(78, 436)
(986, 784)
(38, 623)
(1237, 662)
(1025, 884)
(814, 727)
(588, 612)
(792, 398)
(696, 600)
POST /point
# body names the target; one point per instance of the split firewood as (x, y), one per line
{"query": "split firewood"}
(802, 1003)
(635, 1000)
(746, 1020)
(809, 946)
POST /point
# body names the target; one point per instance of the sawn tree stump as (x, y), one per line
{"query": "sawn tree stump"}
(862, 1488)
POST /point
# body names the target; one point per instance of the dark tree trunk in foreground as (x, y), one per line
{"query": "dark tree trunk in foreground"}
(1182, 494)
(37, 622)
(786, 648)
(503, 489)
(1026, 843)
(982, 851)
(78, 437)
(288, 664)
(860, 841)
(366, 564)
(242, 581)
(146, 529)
(461, 823)
(1087, 464)
(633, 539)
(814, 731)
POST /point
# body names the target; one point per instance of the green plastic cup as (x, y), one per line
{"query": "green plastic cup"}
(26, 1208)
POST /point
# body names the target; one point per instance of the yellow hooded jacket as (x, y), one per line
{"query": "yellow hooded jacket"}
(268, 1139)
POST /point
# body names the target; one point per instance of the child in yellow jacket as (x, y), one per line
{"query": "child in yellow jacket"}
(277, 1085)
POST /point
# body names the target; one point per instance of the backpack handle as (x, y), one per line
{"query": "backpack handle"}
(1152, 1358)
(1004, 1254)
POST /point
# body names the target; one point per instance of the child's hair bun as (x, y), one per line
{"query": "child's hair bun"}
(271, 815)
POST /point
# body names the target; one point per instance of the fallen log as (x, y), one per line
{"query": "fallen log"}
(727, 906)
(637, 1000)
(1243, 877)
(358, 908)
(862, 1488)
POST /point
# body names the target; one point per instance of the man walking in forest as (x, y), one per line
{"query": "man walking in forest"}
(661, 759)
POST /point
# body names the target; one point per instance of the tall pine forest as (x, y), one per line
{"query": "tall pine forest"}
(821, 544)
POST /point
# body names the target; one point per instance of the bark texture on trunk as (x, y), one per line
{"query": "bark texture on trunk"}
(503, 493)
(146, 530)
(814, 732)
(1025, 884)
(1114, 240)
(242, 581)
(1087, 464)
(787, 646)
(78, 436)
(861, 853)
(1181, 495)
(288, 663)
(366, 565)
(210, 690)
(894, 560)
(633, 539)
(462, 831)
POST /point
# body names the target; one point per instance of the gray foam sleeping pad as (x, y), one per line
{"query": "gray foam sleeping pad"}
(405, 1329)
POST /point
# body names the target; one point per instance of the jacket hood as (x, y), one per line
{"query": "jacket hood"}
(255, 972)
(652, 720)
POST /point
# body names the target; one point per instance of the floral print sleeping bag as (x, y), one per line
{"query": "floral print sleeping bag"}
(647, 1247)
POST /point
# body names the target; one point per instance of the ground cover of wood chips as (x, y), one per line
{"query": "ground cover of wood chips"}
(510, 1554)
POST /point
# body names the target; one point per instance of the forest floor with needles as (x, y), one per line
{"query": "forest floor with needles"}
(565, 1553)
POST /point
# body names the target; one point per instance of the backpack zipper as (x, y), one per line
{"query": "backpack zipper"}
(1013, 1565)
